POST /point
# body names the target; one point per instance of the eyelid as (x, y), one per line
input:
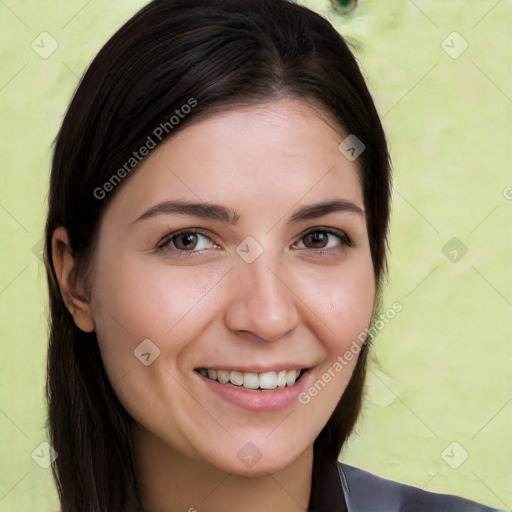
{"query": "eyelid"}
(342, 235)
(164, 242)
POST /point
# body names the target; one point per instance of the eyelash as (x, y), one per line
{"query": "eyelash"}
(164, 244)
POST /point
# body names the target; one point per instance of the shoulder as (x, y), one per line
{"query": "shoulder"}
(365, 492)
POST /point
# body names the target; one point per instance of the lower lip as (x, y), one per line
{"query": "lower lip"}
(254, 400)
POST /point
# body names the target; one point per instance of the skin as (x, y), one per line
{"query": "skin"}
(295, 303)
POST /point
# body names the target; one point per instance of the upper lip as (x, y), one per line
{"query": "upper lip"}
(255, 368)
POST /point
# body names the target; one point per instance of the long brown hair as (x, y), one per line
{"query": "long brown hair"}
(222, 53)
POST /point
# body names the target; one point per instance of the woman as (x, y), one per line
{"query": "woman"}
(215, 245)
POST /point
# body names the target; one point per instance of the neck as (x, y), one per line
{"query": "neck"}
(169, 481)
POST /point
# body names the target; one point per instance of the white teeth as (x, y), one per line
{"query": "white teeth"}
(268, 380)
(291, 376)
(281, 379)
(252, 380)
(237, 378)
(223, 376)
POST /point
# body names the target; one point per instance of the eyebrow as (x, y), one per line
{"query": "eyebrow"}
(318, 210)
(230, 216)
(196, 209)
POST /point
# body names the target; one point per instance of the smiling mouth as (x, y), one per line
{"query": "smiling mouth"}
(255, 381)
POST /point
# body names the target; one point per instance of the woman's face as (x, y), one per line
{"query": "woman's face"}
(272, 273)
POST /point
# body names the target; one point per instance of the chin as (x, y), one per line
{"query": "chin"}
(250, 461)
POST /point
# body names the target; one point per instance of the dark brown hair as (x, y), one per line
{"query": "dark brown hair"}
(223, 54)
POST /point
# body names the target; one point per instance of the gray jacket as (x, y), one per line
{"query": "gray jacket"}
(364, 492)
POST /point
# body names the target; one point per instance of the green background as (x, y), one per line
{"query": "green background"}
(440, 370)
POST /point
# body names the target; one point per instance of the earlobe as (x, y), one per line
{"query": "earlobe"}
(72, 291)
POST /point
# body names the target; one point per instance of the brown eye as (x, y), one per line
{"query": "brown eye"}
(344, 7)
(317, 239)
(324, 239)
(185, 241)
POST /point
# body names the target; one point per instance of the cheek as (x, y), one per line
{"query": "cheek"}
(344, 300)
(344, 303)
(135, 302)
(147, 318)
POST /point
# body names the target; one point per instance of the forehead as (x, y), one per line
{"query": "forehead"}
(254, 158)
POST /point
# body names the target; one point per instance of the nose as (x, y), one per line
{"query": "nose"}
(261, 302)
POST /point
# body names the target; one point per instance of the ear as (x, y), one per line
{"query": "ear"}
(73, 293)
